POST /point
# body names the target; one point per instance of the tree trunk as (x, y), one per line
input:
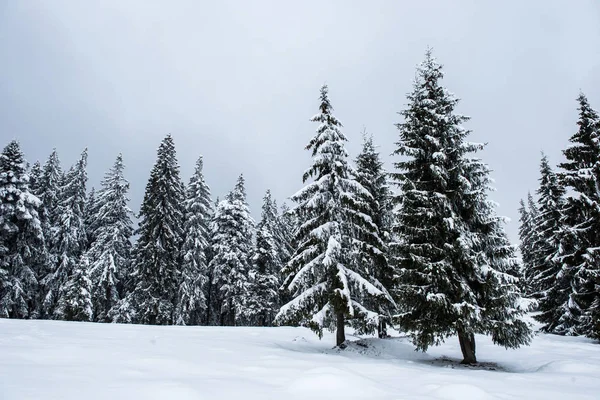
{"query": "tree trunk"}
(467, 346)
(208, 302)
(382, 329)
(340, 336)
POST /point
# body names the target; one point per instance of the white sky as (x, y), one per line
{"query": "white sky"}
(237, 81)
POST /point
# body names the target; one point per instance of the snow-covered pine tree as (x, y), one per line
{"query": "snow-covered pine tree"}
(327, 285)
(232, 255)
(580, 235)
(211, 290)
(263, 296)
(451, 254)
(545, 265)
(373, 177)
(47, 190)
(525, 244)
(68, 238)
(191, 299)
(35, 177)
(287, 226)
(21, 237)
(110, 253)
(91, 217)
(75, 300)
(157, 254)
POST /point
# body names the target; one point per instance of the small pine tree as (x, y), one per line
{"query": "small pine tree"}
(191, 300)
(526, 244)
(232, 247)
(75, 300)
(327, 285)
(158, 250)
(35, 177)
(21, 237)
(263, 299)
(372, 176)
(110, 252)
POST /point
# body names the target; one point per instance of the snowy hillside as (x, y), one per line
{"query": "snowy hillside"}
(66, 360)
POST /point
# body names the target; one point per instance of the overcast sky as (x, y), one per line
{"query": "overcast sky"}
(237, 81)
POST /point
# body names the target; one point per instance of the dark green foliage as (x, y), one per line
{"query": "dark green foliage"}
(454, 263)
(579, 280)
(157, 254)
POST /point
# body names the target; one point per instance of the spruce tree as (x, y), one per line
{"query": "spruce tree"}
(47, 190)
(75, 300)
(263, 299)
(232, 254)
(327, 285)
(547, 226)
(525, 244)
(191, 299)
(21, 237)
(110, 252)
(158, 250)
(373, 177)
(68, 238)
(580, 233)
(451, 253)
(211, 289)
(91, 217)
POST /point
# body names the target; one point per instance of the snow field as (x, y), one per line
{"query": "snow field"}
(66, 360)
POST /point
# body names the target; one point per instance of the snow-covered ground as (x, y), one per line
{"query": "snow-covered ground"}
(66, 360)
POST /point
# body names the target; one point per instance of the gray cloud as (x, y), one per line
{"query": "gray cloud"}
(237, 81)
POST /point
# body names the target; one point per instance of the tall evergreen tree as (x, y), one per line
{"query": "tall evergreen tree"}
(191, 299)
(373, 177)
(110, 252)
(47, 189)
(328, 286)
(452, 257)
(158, 250)
(580, 234)
(545, 267)
(21, 237)
(211, 294)
(68, 238)
(232, 254)
(263, 299)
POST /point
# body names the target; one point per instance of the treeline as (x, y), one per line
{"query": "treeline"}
(560, 235)
(431, 258)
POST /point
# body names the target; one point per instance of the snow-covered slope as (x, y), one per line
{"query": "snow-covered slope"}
(65, 360)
